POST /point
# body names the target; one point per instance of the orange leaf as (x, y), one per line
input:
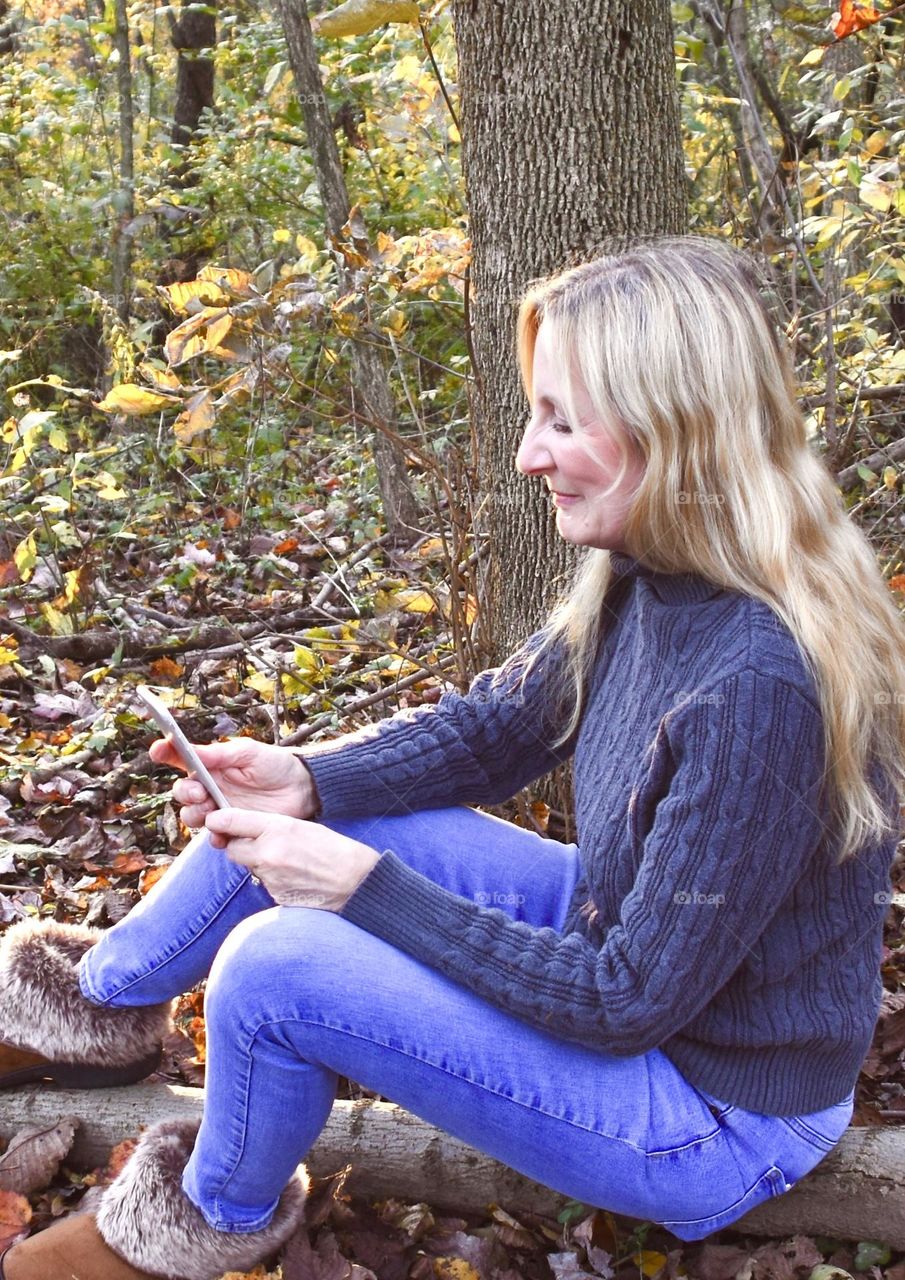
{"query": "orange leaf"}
(898, 582)
(124, 864)
(118, 1157)
(15, 1215)
(852, 16)
(167, 668)
(288, 544)
(9, 574)
(149, 878)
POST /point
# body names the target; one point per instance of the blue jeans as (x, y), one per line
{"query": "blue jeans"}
(296, 995)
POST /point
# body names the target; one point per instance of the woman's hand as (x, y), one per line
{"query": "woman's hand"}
(251, 774)
(300, 864)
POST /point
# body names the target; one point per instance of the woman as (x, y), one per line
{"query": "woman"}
(669, 1023)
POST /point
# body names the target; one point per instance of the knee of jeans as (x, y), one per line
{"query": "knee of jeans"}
(272, 954)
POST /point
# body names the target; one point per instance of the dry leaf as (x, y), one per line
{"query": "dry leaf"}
(34, 1154)
(15, 1215)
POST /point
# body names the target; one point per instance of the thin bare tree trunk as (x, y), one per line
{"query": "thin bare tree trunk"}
(194, 30)
(369, 375)
(122, 243)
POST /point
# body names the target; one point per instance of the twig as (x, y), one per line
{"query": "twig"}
(302, 735)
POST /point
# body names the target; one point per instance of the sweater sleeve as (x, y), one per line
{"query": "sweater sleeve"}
(480, 747)
(737, 821)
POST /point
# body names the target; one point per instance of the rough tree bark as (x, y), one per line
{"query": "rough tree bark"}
(853, 1194)
(194, 30)
(571, 145)
(369, 377)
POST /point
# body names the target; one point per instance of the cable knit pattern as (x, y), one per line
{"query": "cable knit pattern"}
(721, 930)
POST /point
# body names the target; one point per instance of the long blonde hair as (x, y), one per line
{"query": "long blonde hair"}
(673, 342)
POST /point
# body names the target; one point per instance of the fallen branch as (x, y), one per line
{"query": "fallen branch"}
(855, 1193)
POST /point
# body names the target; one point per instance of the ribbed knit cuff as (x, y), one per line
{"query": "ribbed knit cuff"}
(349, 782)
(402, 906)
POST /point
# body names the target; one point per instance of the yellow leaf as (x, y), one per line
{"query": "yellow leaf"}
(876, 193)
(445, 1268)
(184, 341)
(649, 1261)
(160, 379)
(217, 331)
(359, 17)
(306, 659)
(227, 277)
(308, 252)
(813, 57)
(407, 68)
(26, 556)
(110, 488)
(197, 416)
(420, 602)
(133, 400)
(60, 623)
(262, 683)
(282, 235)
(72, 583)
(453, 134)
(875, 141)
(240, 383)
(182, 296)
(7, 655)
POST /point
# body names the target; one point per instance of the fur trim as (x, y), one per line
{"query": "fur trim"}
(147, 1219)
(42, 1007)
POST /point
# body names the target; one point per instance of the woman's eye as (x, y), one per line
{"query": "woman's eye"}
(561, 427)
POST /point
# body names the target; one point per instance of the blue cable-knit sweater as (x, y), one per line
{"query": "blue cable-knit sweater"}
(724, 933)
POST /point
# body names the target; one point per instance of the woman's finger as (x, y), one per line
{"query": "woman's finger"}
(242, 850)
(191, 792)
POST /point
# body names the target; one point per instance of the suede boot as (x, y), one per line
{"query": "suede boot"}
(50, 1032)
(145, 1227)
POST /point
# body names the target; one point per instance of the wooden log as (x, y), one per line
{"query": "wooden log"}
(855, 1193)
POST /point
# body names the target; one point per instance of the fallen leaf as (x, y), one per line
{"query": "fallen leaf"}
(34, 1155)
(15, 1215)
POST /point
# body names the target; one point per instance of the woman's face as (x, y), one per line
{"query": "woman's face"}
(585, 513)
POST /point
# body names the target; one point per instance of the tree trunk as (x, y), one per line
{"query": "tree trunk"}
(855, 1193)
(196, 29)
(372, 393)
(571, 145)
(125, 207)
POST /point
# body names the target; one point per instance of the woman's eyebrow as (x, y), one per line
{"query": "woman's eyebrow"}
(549, 400)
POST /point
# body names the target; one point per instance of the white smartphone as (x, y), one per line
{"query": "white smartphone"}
(163, 717)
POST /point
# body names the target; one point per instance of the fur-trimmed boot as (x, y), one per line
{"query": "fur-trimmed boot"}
(49, 1031)
(145, 1227)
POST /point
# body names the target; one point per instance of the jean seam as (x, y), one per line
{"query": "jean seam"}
(103, 1000)
(237, 1150)
(478, 1085)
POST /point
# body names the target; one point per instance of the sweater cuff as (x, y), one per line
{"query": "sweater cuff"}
(349, 784)
(403, 906)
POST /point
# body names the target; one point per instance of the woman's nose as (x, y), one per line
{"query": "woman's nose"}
(532, 457)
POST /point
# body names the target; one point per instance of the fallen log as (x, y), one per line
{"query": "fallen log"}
(855, 1193)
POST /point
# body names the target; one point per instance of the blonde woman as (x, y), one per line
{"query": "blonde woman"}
(667, 1019)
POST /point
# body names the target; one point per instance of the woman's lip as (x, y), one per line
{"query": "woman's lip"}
(566, 497)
